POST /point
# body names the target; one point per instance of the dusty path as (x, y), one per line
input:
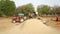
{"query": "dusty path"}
(31, 26)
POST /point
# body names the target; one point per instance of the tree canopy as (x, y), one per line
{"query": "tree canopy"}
(43, 9)
(56, 10)
(25, 8)
(7, 7)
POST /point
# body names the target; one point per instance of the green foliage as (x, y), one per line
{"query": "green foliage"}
(43, 9)
(7, 7)
(25, 9)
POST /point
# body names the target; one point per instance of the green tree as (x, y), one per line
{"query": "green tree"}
(43, 9)
(1, 7)
(7, 7)
(25, 9)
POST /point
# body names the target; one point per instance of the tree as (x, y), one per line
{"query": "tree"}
(56, 10)
(7, 7)
(25, 9)
(43, 9)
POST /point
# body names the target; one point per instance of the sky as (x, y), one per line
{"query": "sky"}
(37, 2)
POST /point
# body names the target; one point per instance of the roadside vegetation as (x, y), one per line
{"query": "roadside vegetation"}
(8, 8)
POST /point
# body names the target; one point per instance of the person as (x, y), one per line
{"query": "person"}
(56, 18)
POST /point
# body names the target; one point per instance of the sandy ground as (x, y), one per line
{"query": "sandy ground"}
(31, 26)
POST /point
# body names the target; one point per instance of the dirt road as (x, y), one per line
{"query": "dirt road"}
(31, 26)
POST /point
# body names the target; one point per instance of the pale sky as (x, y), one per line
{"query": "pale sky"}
(37, 2)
